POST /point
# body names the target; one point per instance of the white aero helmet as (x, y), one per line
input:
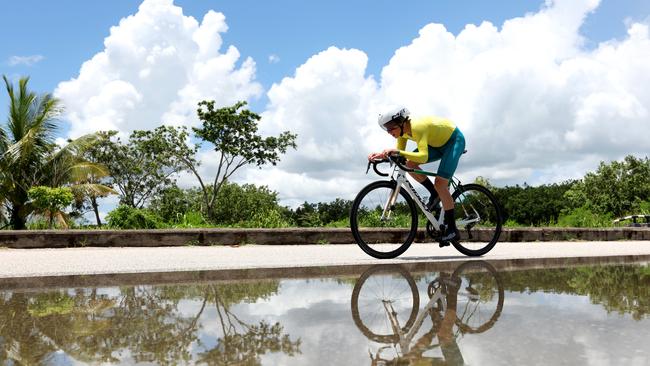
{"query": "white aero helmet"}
(393, 118)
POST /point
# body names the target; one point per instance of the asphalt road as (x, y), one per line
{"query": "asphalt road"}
(21, 263)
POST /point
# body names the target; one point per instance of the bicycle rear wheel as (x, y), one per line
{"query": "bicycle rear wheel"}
(478, 218)
(480, 296)
(400, 220)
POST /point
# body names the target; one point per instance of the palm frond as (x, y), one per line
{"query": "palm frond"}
(86, 171)
(31, 123)
(79, 145)
(92, 189)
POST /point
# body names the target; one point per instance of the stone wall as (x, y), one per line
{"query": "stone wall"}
(293, 236)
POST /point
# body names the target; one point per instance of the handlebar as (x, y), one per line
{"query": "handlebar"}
(393, 159)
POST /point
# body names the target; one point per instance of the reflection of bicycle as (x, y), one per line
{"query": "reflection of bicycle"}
(392, 204)
(385, 308)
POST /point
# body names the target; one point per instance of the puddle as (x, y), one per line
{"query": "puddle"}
(462, 313)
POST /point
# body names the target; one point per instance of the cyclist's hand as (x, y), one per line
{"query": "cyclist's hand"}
(388, 152)
(375, 156)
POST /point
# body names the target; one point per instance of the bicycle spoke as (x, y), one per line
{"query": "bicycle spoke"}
(478, 218)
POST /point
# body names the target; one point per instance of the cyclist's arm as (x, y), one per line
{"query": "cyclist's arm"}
(421, 156)
(401, 143)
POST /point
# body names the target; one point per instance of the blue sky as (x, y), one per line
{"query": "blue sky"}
(68, 32)
(543, 92)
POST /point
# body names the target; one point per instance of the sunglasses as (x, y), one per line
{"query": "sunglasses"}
(392, 127)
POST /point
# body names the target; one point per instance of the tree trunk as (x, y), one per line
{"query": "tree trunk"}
(17, 221)
(93, 202)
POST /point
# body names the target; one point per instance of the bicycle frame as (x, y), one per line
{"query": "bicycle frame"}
(405, 339)
(399, 176)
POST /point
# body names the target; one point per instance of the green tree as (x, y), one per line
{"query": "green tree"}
(306, 215)
(50, 202)
(337, 210)
(617, 188)
(144, 166)
(173, 203)
(28, 155)
(529, 205)
(233, 132)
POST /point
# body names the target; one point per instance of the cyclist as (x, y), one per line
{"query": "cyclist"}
(436, 139)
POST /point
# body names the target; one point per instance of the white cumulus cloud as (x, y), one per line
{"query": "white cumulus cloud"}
(534, 103)
(156, 65)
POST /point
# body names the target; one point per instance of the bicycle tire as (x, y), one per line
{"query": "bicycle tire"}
(403, 236)
(382, 270)
(485, 269)
(469, 199)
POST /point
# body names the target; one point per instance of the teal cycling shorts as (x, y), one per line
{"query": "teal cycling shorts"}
(448, 154)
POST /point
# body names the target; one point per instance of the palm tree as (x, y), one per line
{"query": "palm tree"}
(28, 155)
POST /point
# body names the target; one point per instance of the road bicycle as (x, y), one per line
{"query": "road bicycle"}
(392, 206)
(385, 308)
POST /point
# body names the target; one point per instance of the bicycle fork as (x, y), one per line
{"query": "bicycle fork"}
(390, 203)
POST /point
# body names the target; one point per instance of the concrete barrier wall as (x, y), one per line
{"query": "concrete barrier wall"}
(294, 236)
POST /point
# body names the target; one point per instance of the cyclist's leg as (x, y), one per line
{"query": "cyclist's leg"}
(452, 151)
(434, 155)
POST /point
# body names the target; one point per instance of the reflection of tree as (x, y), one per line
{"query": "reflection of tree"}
(18, 339)
(242, 343)
(145, 322)
(625, 289)
(621, 289)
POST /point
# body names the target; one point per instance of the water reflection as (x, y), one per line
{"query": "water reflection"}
(140, 324)
(385, 315)
(386, 309)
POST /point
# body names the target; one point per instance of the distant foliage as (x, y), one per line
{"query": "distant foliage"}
(335, 213)
(533, 206)
(617, 188)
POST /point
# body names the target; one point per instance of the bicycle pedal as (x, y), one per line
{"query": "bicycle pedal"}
(443, 244)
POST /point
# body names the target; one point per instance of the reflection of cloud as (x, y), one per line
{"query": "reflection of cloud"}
(25, 60)
(553, 329)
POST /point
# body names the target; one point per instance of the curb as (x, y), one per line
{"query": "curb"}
(289, 236)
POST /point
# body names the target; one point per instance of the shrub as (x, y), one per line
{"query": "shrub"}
(584, 217)
(127, 217)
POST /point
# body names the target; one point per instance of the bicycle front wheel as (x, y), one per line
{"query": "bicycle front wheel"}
(382, 292)
(372, 210)
(478, 218)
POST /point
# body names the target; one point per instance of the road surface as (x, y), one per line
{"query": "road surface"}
(22, 263)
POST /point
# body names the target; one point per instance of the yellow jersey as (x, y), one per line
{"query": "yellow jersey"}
(425, 131)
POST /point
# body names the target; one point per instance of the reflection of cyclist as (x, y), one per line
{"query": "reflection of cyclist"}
(436, 139)
(446, 337)
(386, 309)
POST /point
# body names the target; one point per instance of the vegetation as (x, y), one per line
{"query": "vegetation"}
(141, 324)
(50, 201)
(30, 158)
(167, 325)
(141, 170)
(233, 133)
